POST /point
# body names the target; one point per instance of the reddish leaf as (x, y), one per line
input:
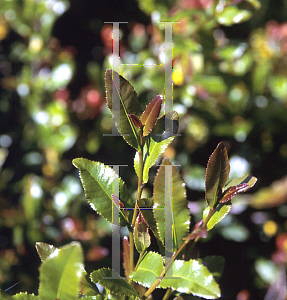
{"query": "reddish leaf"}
(217, 174)
(232, 191)
(136, 121)
(151, 113)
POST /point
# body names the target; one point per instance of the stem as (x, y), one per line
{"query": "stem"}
(139, 192)
(157, 282)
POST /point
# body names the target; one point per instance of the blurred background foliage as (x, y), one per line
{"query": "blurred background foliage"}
(229, 84)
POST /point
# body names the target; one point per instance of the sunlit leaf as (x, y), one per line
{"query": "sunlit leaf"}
(22, 296)
(217, 174)
(60, 273)
(151, 113)
(45, 250)
(157, 141)
(129, 104)
(149, 269)
(248, 179)
(113, 282)
(192, 277)
(178, 208)
(220, 212)
(98, 181)
(5, 296)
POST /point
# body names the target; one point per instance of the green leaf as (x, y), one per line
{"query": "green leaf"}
(150, 115)
(97, 180)
(141, 234)
(217, 174)
(23, 296)
(4, 296)
(60, 273)
(149, 269)
(147, 213)
(248, 179)
(129, 104)
(220, 212)
(116, 285)
(45, 250)
(215, 265)
(179, 210)
(192, 277)
(233, 15)
(156, 143)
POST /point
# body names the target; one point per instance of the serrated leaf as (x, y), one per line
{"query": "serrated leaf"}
(217, 174)
(141, 234)
(97, 180)
(146, 205)
(150, 115)
(45, 250)
(116, 284)
(149, 269)
(60, 273)
(179, 210)
(220, 212)
(128, 104)
(156, 143)
(23, 296)
(191, 277)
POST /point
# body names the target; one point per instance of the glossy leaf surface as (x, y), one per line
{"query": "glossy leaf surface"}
(233, 191)
(150, 115)
(45, 250)
(220, 212)
(116, 285)
(149, 269)
(60, 273)
(248, 179)
(192, 277)
(178, 208)
(97, 180)
(217, 174)
(129, 104)
(156, 143)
